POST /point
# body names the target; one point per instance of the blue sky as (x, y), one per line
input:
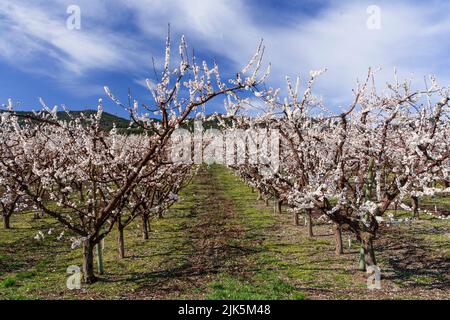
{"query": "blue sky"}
(40, 57)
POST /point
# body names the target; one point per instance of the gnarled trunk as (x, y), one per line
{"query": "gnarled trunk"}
(278, 206)
(296, 219)
(415, 207)
(120, 241)
(338, 238)
(145, 228)
(88, 262)
(369, 252)
(6, 222)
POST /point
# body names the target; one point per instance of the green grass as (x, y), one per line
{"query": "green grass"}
(39, 268)
(439, 200)
(8, 282)
(271, 288)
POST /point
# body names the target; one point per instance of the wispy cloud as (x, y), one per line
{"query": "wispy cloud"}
(33, 31)
(123, 35)
(412, 39)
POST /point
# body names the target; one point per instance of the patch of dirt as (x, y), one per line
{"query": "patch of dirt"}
(216, 244)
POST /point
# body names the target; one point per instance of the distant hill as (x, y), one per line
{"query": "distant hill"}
(106, 123)
(123, 124)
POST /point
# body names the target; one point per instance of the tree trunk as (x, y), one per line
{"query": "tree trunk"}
(121, 241)
(415, 205)
(145, 228)
(267, 201)
(309, 223)
(279, 204)
(6, 222)
(338, 238)
(88, 262)
(296, 220)
(259, 196)
(369, 252)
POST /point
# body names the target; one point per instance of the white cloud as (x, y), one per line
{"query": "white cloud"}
(220, 26)
(413, 37)
(31, 32)
(339, 40)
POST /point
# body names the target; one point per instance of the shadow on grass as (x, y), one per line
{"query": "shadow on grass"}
(413, 263)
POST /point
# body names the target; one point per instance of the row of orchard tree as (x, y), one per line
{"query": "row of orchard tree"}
(90, 180)
(349, 167)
